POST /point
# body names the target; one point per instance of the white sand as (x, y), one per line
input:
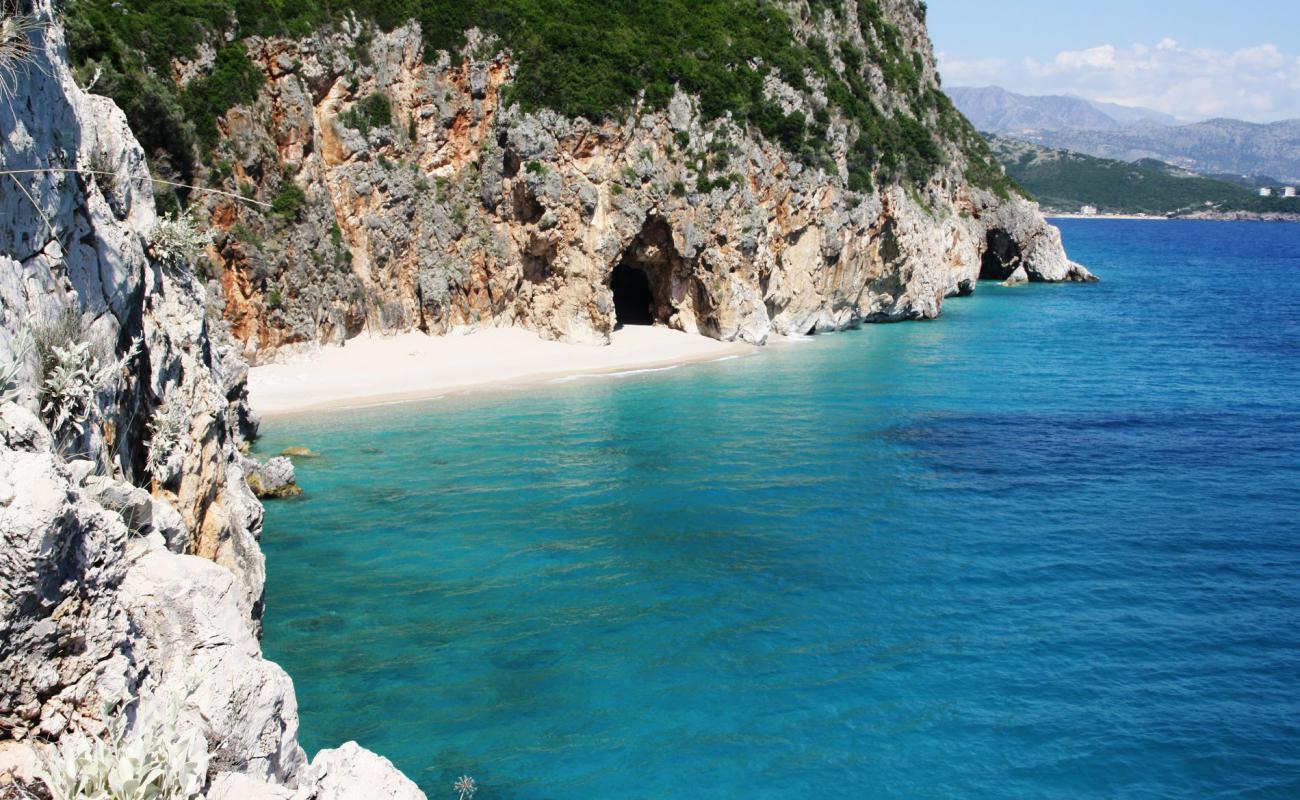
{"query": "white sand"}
(371, 370)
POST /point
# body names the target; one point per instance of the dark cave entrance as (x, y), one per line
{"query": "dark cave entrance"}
(1001, 256)
(633, 299)
(645, 278)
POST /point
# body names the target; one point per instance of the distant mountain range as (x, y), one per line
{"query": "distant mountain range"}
(994, 109)
(1067, 182)
(1222, 146)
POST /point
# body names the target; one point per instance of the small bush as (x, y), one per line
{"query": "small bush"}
(154, 759)
(373, 111)
(104, 172)
(74, 377)
(177, 241)
(288, 201)
(16, 50)
(167, 431)
(61, 331)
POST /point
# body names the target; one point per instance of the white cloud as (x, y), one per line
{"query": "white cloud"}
(1260, 83)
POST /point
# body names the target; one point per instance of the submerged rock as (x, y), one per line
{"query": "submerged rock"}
(299, 452)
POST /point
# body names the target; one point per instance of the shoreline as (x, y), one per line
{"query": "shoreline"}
(1244, 217)
(372, 370)
(1051, 215)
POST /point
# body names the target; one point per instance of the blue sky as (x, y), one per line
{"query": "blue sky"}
(1193, 58)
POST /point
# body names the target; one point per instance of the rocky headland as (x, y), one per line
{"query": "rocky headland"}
(466, 212)
(371, 185)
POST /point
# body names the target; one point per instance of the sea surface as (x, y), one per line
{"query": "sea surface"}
(1047, 546)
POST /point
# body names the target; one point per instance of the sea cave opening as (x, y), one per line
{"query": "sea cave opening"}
(633, 298)
(1001, 256)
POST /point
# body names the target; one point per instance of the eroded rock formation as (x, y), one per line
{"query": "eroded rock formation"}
(126, 561)
(462, 210)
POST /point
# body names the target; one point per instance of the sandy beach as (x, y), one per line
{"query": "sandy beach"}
(372, 370)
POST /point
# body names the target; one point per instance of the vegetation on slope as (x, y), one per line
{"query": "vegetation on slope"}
(1066, 181)
(580, 59)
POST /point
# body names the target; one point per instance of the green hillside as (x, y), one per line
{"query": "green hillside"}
(1066, 181)
(580, 59)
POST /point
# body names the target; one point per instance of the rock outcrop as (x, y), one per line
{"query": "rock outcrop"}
(463, 210)
(129, 550)
(275, 478)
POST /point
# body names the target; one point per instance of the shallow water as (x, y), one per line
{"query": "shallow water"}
(1046, 546)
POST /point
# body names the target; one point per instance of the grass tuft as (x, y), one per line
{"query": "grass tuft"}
(17, 52)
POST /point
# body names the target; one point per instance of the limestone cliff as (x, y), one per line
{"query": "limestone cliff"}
(411, 189)
(128, 534)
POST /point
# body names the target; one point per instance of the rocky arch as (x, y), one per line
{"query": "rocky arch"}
(1001, 256)
(650, 278)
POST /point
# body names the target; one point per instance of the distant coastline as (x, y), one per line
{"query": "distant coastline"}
(1075, 215)
(1203, 216)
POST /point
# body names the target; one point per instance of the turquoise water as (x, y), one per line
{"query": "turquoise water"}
(1046, 546)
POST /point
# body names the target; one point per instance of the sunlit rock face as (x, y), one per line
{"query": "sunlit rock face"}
(464, 210)
(128, 569)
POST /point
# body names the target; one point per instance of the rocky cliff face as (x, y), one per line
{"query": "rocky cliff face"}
(411, 193)
(128, 556)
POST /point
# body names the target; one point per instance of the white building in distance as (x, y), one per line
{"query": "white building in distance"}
(1288, 191)
(1265, 192)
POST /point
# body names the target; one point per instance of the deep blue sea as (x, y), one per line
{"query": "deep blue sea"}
(1047, 546)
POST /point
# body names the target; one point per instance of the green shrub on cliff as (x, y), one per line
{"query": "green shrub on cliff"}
(234, 80)
(288, 201)
(580, 59)
(373, 111)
